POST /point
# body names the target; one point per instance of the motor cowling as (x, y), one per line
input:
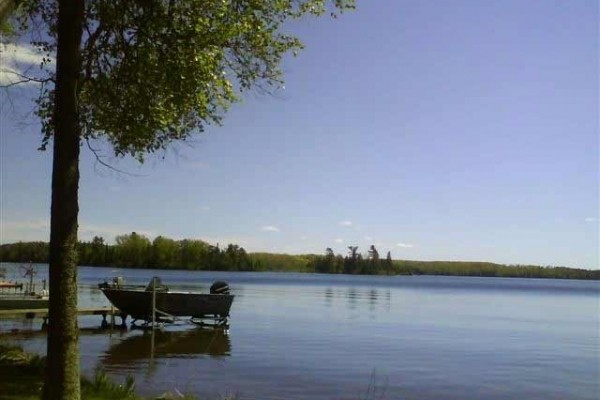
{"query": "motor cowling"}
(219, 287)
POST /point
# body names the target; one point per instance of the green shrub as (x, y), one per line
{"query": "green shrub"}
(101, 387)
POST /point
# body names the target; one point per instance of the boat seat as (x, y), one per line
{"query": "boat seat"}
(158, 284)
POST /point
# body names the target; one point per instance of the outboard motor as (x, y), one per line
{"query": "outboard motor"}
(117, 282)
(219, 287)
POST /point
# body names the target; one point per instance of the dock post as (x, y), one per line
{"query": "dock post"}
(123, 320)
(153, 302)
(104, 324)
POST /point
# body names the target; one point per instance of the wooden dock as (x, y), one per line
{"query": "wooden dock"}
(43, 313)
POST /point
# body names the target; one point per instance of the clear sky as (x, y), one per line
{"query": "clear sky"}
(437, 130)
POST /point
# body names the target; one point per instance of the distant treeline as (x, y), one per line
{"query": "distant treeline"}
(372, 264)
(137, 251)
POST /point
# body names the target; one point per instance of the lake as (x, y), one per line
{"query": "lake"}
(311, 336)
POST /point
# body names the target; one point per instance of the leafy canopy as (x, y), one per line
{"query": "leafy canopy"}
(155, 71)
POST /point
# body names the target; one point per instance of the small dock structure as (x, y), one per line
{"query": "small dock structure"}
(43, 313)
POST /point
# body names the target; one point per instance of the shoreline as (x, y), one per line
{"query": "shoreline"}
(492, 270)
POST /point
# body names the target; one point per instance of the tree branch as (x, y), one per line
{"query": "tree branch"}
(104, 163)
(23, 79)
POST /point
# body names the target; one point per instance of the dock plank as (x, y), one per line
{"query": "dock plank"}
(43, 312)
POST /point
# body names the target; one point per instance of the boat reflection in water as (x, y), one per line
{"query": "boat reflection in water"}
(168, 344)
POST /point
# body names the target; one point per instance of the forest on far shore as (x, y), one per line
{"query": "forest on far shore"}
(137, 251)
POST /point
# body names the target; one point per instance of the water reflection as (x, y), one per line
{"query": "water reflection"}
(358, 296)
(168, 344)
(328, 296)
(388, 299)
(352, 296)
(372, 299)
(365, 298)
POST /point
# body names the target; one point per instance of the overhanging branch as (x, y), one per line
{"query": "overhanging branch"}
(23, 79)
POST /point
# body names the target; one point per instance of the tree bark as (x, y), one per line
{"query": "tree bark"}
(62, 370)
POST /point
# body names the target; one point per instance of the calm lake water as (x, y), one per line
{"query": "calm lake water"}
(309, 336)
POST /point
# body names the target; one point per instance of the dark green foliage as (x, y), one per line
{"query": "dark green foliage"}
(101, 387)
(282, 262)
(21, 373)
(158, 71)
(470, 268)
(13, 355)
(133, 250)
(137, 251)
(37, 252)
(354, 263)
(164, 252)
(388, 263)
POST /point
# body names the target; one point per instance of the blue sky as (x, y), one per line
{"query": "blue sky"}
(437, 130)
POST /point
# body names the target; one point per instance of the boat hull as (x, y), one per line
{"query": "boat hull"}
(138, 303)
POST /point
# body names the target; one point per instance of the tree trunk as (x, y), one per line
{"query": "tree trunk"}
(62, 370)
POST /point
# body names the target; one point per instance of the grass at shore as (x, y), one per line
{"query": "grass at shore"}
(21, 373)
(22, 377)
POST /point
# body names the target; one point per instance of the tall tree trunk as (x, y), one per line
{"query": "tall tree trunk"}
(62, 370)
